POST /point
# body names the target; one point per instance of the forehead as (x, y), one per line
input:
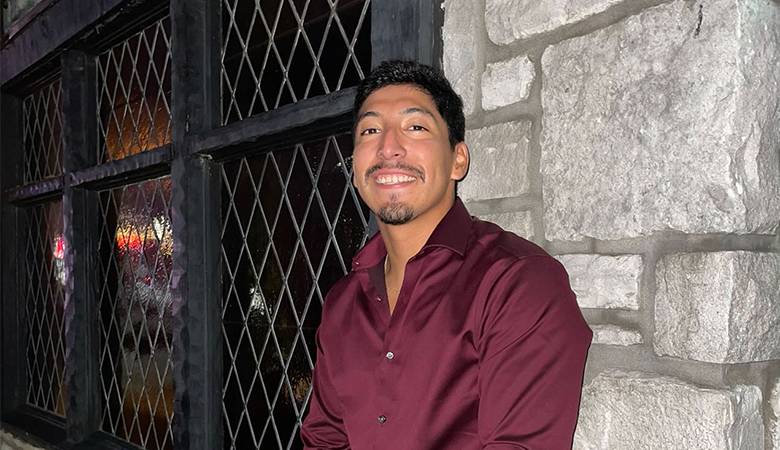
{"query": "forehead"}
(398, 97)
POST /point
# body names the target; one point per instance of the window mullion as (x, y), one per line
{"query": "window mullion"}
(80, 231)
(14, 362)
(196, 223)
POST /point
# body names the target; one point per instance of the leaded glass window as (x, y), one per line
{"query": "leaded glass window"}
(278, 52)
(44, 303)
(292, 223)
(134, 94)
(42, 118)
(136, 248)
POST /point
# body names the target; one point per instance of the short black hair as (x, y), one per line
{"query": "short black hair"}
(423, 77)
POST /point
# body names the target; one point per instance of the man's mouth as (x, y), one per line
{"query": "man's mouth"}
(393, 179)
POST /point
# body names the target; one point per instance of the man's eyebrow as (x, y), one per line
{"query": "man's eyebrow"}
(417, 110)
(367, 114)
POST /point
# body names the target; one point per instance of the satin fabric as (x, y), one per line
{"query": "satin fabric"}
(488, 348)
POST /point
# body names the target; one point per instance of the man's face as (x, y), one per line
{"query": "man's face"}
(404, 165)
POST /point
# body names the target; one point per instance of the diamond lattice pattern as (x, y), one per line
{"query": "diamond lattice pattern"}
(44, 302)
(136, 245)
(134, 94)
(42, 118)
(278, 52)
(292, 223)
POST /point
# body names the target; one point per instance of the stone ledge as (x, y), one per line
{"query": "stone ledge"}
(630, 410)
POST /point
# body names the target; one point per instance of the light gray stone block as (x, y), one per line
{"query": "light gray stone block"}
(520, 223)
(507, 82)
(660, 122)
(774, 421)
(499, 161)
(602, 281)
(719, 307)
(460, 49)
(629, 410)
(615, 335)
(11, 442)
(510, 20)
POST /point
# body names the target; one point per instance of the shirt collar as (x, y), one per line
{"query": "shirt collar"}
(452, 232)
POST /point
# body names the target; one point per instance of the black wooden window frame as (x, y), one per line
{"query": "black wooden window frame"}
(408, 29)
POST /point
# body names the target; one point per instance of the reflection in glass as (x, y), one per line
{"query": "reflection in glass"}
(134, 94)
(136, 246)
(280, 258)
(44, 304)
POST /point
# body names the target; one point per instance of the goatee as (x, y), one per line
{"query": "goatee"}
(395, 214)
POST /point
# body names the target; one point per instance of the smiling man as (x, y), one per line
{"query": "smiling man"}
(449, 333)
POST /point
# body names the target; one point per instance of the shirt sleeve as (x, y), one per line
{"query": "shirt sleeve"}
(323, 428)
(532, 342)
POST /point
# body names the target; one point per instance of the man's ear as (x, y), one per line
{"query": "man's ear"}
(460, 165)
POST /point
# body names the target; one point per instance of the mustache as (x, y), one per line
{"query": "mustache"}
(398, 165)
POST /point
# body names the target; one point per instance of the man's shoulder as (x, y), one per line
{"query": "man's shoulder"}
(490, 240)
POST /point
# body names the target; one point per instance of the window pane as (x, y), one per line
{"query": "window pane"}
(277, 52)
(136, 244)
(42, 113)
(292, 223)
(134, 94)
(44, 301)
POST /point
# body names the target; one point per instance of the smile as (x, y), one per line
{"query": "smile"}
(393, 179)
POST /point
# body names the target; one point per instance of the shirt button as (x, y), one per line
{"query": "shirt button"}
(389, 355)
(382, 419)
(378, 298)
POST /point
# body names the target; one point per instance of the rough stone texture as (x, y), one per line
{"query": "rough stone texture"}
(510, 20)
(520, 223)
(507, 82)
(499, 159)
(602, 281)
(774, 422)
(11, 442)
(718, 307)
(460, 49)
(666, 120)
(615, 335)
(629, 410)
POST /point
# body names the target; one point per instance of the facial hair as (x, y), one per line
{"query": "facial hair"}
(394, 213)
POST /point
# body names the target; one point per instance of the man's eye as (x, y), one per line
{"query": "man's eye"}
(369, 131)
(417, 128)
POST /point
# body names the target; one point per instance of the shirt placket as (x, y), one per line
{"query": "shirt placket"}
(391, 355)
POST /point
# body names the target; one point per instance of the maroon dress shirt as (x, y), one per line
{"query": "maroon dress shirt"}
(485, 349)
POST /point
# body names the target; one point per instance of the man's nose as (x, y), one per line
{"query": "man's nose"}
(391, 146)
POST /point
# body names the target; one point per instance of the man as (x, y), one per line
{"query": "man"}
(449, 333)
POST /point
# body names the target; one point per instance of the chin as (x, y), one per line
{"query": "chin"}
(395, 213)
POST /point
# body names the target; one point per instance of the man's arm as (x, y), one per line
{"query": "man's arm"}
(533, 343)
(323, 428)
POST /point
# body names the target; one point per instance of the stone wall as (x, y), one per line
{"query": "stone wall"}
(638, 141)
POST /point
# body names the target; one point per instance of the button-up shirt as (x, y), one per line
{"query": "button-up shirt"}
(485, 349)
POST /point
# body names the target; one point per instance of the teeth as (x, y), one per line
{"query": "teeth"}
(393, 179)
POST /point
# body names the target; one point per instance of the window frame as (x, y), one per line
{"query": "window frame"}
(408, 29)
